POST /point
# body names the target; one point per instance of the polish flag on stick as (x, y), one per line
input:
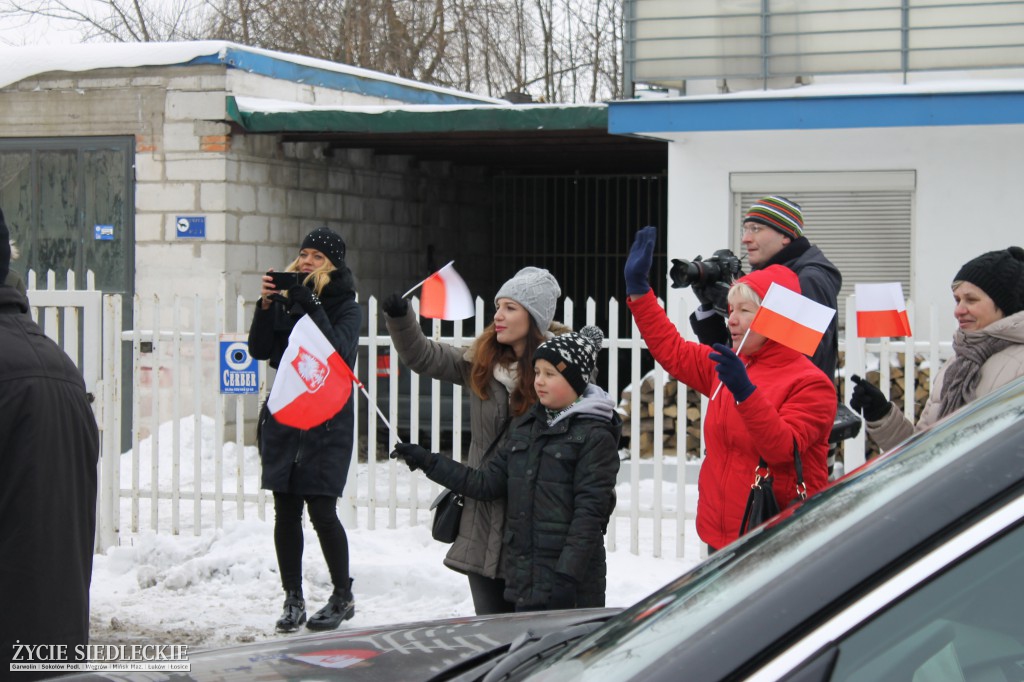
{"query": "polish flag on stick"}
(445, 295)
(313, 382)
(792, 320)
(881, 310)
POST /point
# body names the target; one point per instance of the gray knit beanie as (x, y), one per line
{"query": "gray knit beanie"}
(535, 289)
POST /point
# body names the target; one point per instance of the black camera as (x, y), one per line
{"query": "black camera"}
(709, 278)
(846, 424)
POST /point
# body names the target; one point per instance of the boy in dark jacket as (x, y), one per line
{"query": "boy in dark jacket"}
(557, 470)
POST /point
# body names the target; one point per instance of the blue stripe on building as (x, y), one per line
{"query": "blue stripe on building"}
(815, 113)
(273, 67)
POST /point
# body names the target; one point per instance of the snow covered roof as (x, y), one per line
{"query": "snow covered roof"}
(19, 63)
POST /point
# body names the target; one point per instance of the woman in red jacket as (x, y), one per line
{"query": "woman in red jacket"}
(772, 396)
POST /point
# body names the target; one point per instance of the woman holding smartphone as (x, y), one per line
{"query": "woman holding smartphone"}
(309, 467)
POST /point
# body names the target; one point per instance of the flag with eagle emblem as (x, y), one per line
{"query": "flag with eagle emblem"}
(313, 382)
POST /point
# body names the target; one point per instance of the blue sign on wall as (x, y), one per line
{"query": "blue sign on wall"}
(239, 372)
(103, 232)
(191, 227)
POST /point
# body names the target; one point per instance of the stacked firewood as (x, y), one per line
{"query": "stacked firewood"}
(672, 421)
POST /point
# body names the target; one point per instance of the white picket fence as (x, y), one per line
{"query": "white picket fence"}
(206, 470)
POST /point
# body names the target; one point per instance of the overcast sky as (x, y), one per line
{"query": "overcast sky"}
(37, 32)
(16, 32)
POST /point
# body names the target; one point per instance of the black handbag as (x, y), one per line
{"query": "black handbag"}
(761, 502)
(447, 510)
(447, 506)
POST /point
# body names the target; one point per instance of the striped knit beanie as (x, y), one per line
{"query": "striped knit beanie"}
(778, 213)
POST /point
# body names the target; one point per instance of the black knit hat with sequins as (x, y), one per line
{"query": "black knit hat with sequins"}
(1000, 274)
(327, 242)
(574, 355)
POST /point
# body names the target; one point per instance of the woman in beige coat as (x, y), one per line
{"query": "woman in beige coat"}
(497, 370)
(988, 348)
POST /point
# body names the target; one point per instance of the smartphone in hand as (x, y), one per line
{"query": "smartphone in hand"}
(283, 281)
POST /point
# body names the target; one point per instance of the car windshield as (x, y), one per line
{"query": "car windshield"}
(638, 636)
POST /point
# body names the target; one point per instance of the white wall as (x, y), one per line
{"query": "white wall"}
(969, 181)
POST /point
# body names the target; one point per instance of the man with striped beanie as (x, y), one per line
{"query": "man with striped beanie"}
(773, 234)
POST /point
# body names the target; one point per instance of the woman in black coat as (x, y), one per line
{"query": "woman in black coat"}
(309, 466)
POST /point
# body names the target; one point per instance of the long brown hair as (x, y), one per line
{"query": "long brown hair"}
(490, 352)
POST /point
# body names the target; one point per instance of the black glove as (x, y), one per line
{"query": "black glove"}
(732, 372)
(638, 264)
(701, 293)
(415, 456)
(304, 297)
(868, 400)
(395, 305)
(563, 593)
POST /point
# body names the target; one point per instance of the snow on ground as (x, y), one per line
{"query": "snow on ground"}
(222, 587)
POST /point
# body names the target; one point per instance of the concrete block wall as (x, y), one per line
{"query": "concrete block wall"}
(390, 210)
(258, 194)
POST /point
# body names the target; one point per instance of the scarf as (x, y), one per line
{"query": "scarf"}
(552, 415)
(970, 351)
(507, 376)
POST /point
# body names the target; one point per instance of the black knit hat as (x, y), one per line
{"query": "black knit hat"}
(1000, 274)
(574, 355)
(327, 242)
(5, 249)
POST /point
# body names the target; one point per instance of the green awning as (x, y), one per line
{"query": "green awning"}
(422, 118)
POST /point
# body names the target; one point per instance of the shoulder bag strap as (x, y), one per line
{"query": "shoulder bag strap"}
(801, 487)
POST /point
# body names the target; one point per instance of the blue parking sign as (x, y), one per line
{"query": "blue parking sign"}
(239, 372)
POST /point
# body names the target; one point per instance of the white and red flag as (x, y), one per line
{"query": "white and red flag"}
(791, 319)
(313, 382)
(445, 295)
(881, 310)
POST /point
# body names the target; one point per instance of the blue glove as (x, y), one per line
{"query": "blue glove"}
(415, 456)
(638, 264)
(732, 373)
(304, 297)
(563, 593)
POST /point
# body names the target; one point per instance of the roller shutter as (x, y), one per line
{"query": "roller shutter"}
(864, 229)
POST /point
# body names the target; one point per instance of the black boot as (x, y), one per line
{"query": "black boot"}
(294, 614)
(341, 606)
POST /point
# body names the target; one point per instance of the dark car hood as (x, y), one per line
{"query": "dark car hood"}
(407, 652)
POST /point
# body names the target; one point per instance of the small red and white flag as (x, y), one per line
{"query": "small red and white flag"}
(445, 296)
(313, 382)
(791, 319)
(881, 310)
